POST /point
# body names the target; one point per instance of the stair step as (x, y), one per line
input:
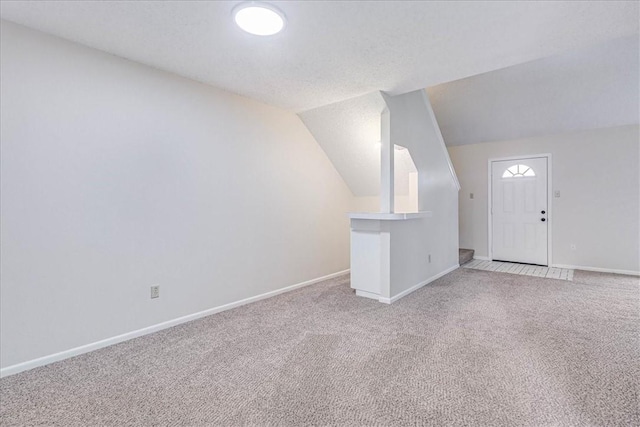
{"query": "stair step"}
(465, 255)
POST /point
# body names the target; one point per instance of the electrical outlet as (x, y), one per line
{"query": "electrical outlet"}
(471, 195)
(573, 246)
(155, 291)
(556, 193)
(429, 258)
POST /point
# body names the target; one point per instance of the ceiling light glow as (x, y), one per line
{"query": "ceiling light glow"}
(261, 19)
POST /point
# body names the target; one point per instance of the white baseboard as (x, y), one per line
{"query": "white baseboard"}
(41, 361)
(597, 269)
(481, 258)
(366, 294)
(418, 286)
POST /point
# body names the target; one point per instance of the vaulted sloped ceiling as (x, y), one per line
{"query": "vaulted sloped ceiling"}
(590, 88)
(501, 70)
(331, 50)
(581, 89)
(349, 132)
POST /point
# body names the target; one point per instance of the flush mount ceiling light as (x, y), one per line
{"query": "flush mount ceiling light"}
(261, 19)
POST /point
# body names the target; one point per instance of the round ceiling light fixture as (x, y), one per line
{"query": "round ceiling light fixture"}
(258, 18)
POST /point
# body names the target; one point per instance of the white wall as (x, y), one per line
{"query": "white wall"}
(402, 202)
(598, 177)
(413, 125)
(116, 176)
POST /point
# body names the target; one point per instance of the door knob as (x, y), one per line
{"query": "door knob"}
(542, 219)
(543, 212)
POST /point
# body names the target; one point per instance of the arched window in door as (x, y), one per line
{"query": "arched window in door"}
(518, 171)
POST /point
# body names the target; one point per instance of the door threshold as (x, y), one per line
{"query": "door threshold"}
(521, 269)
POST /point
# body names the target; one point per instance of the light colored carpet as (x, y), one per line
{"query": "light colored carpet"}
(472, 348)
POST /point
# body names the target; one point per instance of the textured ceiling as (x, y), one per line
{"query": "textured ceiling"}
(349, 133)
(334, 57)
(330, 51)
(581, 89)
(589, 88)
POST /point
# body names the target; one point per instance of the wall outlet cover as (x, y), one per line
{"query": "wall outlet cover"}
(155, 291)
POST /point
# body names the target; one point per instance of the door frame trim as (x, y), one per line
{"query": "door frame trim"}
(549, 202)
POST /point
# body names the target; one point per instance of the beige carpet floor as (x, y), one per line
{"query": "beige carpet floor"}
(473, 348)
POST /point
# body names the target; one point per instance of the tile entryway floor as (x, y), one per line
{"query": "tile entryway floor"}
(522, 269)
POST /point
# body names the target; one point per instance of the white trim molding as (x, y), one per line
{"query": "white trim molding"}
(418, 286)
(394, 216)
(598, 269)
(440, 139)
(45, 360)
(366, 294)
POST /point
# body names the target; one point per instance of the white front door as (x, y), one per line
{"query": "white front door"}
(519, 211)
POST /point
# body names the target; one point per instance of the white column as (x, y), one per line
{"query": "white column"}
(386, 164)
